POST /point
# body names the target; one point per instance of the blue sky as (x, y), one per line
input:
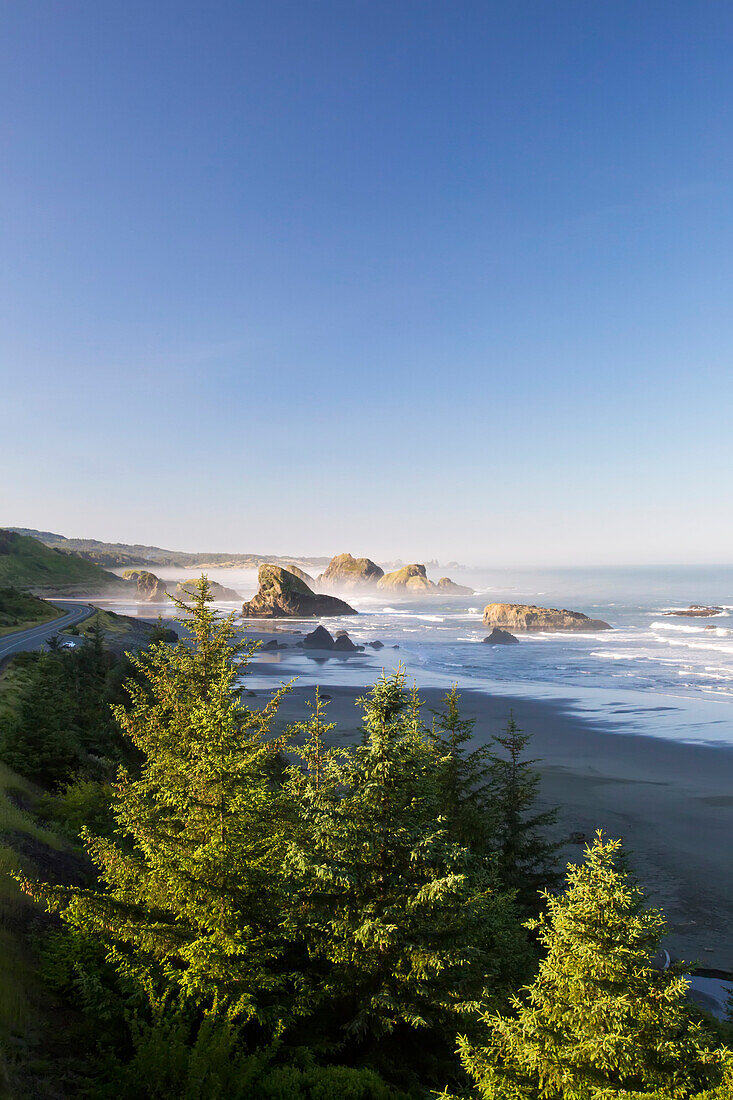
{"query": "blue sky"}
(410, 279)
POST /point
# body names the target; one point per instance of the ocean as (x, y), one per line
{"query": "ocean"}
(653, 674)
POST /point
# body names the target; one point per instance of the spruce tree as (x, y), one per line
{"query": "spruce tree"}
(190, 885)
(527, 859)
(402, 925)
(42, 741)
(466, 794)
(599, 1021)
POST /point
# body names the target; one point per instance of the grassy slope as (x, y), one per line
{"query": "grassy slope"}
(121, 632)
(120, 553)
(20, 610)
(27, 1024)
(27, 563)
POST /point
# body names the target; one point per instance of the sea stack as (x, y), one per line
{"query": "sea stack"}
(345, 571)
(186, 589)
(524, 617)
(149, 587)
(282, 595)
(412, 578)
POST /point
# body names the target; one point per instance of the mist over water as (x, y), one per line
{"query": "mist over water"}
(651, 674)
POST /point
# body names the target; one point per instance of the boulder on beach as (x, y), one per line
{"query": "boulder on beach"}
(282, 595)
(376, 645)
(345, 571)
(149, 587)
(696, 611)
(186, 589)
(318, 639)
(527, 617)
(344, 644)
(445, 584)
(412, 578)
(500, 637)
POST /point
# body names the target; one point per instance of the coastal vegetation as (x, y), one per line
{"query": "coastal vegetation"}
(26, 563)
(21, 610)
(259, 910)
(116, 555)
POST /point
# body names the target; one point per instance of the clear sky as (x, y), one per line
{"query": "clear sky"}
(404, 278)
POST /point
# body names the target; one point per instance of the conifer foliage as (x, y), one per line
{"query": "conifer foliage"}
(467, 794)
(403, 925)
(526, 858)
(599, 1021)
(190, 880)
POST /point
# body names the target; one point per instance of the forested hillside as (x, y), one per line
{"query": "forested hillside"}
(259, 913)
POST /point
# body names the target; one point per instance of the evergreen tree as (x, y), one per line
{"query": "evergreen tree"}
(190, 885)
(401, 924)
(527, 860)
(42, 741)
(599, 1021)
(466, 793)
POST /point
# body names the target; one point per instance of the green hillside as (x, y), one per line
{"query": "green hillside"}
(19, 610)
(27, 563)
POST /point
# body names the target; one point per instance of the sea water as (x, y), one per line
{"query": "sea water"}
(652, 673)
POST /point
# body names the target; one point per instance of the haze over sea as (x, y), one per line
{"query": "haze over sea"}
(653, 674)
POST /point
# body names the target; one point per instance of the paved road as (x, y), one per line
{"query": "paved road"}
(34, 637)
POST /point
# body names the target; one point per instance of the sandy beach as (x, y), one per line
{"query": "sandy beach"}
(672, 803)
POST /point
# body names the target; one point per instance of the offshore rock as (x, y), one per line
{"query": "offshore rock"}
(301, 574)
(410, 577)
(344, 571)
(186, 589)
(318, 639)
(696, 611)
(344, 644)
(500, 637)
(525, 617)
(445, 584)
(282, 595)
(149, 587)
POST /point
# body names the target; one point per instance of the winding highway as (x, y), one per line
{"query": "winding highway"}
(35, 636)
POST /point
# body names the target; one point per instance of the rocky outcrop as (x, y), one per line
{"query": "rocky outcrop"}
(186, 589)
(527, 617)
(301, 574)
(696, 611)
(344, 571)
(412, 578)
(445, 584)
(344, 644)
(282, 595)
(318, 639)
(500, 637)
(149, 587)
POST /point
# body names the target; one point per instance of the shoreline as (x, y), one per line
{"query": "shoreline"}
(670, 801)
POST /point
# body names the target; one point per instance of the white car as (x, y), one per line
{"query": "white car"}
(68, 645)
